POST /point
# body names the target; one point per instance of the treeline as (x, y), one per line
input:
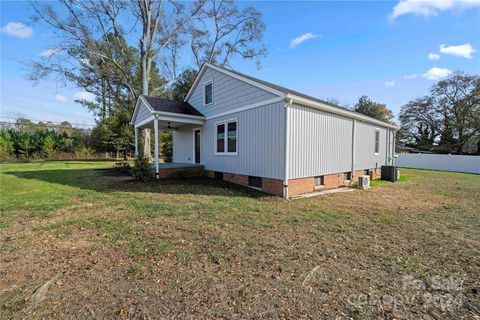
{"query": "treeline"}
(27, 140)
(447, 120)
(110, 138)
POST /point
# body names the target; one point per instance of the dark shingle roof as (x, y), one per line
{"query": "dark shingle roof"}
(164, 105)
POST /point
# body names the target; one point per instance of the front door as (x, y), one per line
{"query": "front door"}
(197, 146)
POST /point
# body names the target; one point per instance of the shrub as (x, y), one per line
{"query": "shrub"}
(122, 167)
(141, 169)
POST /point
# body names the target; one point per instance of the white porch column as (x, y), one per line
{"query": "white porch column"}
(136, 142)
(155, 126)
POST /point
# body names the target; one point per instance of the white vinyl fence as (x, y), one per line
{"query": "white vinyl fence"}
(446, 162)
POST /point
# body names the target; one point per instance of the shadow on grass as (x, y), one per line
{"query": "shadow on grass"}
(102, 181)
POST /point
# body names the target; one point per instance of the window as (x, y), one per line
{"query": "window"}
(221, 137)
(226, 137)
(366, 172)
(208, 94)
(347, 176)
(377, 141)
(318, 181)
(255, 182)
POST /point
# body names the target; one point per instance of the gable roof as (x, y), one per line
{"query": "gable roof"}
(172, 106)
(285, 92)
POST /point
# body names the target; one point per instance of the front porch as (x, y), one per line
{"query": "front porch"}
(160, 114)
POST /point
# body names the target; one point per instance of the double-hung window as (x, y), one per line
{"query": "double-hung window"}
(377, 141)
(208, 93)
(226, 137)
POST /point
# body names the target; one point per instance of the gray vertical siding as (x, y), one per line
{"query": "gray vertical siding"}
(365, 156)
(260, 147)
(319, 142)
(228, 94)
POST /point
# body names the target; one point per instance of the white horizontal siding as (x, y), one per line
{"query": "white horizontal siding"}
(228, 93)
(260, 147)
(319, 142)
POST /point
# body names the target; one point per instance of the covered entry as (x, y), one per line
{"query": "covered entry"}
(161, 114)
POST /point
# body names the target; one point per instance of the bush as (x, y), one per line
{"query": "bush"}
(141, 169)
(122, 167)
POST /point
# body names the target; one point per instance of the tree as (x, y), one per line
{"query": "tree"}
(6, 145)
(235, 32)
(179, 88)
(448, 118)
(373, 109)
(48, 147)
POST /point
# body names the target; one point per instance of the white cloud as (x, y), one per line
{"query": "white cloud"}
(410, 76)
(50, 52)
(429, 8)
(304, 37)
(436, 73)
(60, 98)
(465, 50)
(17, 29)
(433, 56)
(390, 84)
(84, 95)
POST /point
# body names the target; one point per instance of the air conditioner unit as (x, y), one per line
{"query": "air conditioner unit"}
(364, 182)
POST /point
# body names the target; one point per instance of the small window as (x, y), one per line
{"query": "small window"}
(347, 176)
(218, 175)
(377, 141)
(226, 138)
(255, 182)
(318, 181)
(208, 98)
(221, 138)
(366, 172)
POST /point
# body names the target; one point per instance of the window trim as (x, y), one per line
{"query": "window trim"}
(205, 84)
(225, 139)
(375, 141)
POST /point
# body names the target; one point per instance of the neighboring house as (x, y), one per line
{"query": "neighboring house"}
(257, 134)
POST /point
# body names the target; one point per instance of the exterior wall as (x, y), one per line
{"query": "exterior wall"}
(173, 173)
(365, 156)
(320, 143)
(260, 146)
(228, 93)
(143, 113)
(182, 140)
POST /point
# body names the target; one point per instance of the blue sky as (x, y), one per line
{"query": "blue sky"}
(390, 51)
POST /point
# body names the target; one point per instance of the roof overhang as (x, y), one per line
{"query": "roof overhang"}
(335, 110)
(231, 74)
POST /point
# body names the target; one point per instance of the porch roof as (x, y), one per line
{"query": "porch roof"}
(172, 106)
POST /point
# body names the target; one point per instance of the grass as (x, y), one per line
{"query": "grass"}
(205, 249)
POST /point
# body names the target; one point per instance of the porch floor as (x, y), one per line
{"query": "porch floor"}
(169, 170)
(177, 165)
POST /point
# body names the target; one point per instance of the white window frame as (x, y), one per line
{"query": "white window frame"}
(225, 138)
(204, 92)
(375, 141)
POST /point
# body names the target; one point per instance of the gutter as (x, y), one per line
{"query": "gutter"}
(345, 113)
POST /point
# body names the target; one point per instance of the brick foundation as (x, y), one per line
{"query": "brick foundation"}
(270, 186)
(180, 173)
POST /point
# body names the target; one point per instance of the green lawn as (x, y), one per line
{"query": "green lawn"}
(199, 248)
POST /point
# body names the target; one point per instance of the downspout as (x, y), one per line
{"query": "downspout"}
(354, 129)
(287, 143)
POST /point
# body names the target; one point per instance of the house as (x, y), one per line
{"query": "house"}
(250, 132)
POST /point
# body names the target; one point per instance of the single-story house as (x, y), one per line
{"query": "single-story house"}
(254, 133)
